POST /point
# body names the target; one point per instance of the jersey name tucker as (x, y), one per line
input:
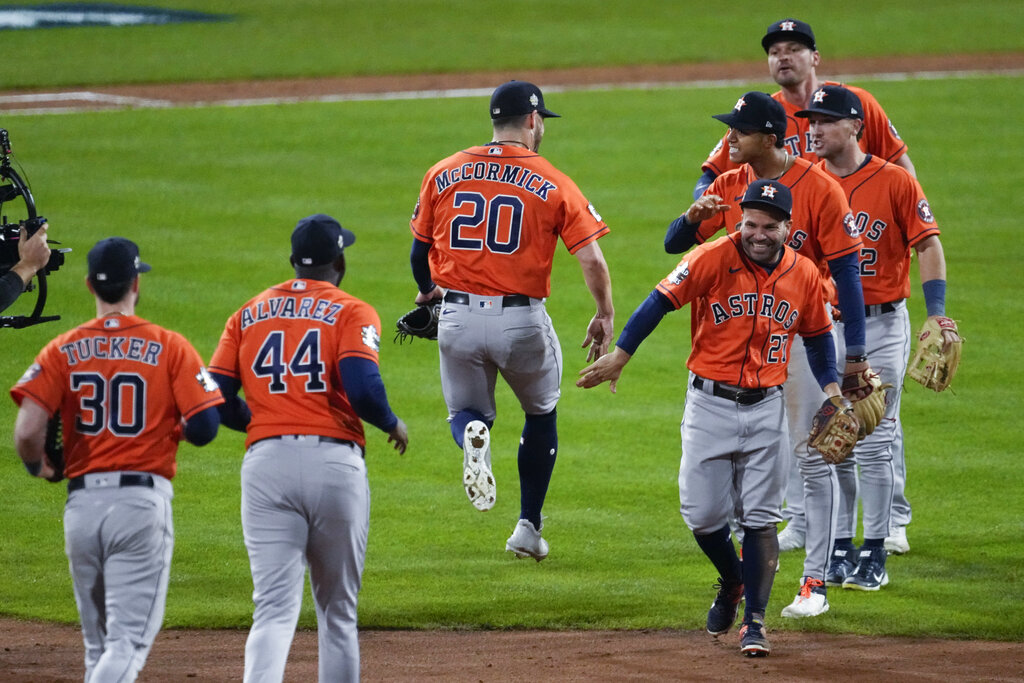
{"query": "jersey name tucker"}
(308, 308)
(113, 348)
(780, 311)
(509, 174)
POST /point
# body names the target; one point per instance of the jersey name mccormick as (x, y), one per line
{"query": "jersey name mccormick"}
(496, 173)
(307, 308)
(493, 216)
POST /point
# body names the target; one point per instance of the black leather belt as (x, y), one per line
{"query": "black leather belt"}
(125, 480)
(508, 301)
(745, 397)
(879, 309)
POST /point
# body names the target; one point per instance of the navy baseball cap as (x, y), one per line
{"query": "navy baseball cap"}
(319, 239)
(115, 259)
(789, 29)
(516, 98)
(756, 112)
(834, 100)
(768, 194)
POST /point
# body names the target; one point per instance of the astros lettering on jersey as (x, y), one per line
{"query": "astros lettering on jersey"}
(742, 334)
(477, 200)
(294, 386)
(880, 137)
(122, 385)
(891, 215)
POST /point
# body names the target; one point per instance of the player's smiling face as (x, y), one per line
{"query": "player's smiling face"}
(791, 63)
(762, 235)
(829, 136)
(744, 146)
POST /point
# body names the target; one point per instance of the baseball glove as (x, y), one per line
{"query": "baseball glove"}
(834, 430)
(54, 447)
(867, 393)
(419, 322)
(933, 367)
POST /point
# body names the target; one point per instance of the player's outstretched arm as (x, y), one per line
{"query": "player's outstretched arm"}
(602, 325)
(607, 368)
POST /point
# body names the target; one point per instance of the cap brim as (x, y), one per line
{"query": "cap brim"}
(347, 237)
(805, 113)
(548, 114)
(730, 120)
(765, 205)
(144, 267)
(789, 36)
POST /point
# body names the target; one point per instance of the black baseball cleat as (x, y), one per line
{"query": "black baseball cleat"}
(870, 574)
(753, 642)
(724, 609)
(842, 563)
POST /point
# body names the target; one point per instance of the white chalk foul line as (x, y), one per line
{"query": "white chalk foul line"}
(103, 101)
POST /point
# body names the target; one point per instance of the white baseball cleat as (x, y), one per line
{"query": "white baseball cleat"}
(526, 541)
(896, 543)
(809, 602)
(476, 466)
(790, 539)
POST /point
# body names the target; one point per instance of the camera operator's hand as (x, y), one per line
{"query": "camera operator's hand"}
(33, 253)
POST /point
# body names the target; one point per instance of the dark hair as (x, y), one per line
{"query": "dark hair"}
(111, 292)
(328, 272)
(517, 121)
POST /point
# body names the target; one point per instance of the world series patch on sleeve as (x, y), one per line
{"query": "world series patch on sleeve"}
(935, 362)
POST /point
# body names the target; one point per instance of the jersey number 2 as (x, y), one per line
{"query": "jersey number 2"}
(304, 361)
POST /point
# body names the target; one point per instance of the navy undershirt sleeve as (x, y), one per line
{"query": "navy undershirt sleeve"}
(11, 287)
(201, 428)
(364, 387)
(821, 356)
(421, 266)
(234, 412)
(846, 272)
(703, 183)
(681, 235)
(643, 321)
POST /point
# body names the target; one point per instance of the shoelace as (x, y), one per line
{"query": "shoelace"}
(809, 586)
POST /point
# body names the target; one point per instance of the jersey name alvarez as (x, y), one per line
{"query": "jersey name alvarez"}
(891, 214)
(494, 215)
(744, 318)
(307, 308)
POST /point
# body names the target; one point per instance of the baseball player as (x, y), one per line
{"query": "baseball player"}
(126, 391)
(824, 231)
(751, 294)
(485, 230)
(33, 254)
(792, 61)
(305, 353)
(892, 215)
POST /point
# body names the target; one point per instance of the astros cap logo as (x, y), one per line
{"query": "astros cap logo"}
(768, 191)
(786, 26)
(740, 103)
(819, 96)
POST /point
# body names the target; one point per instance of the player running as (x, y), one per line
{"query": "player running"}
(306, 355)
(485, 230)
(892, 216)
(751, 295)
(127, 392)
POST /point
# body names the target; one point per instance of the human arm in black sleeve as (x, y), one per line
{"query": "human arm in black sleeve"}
(234, 412)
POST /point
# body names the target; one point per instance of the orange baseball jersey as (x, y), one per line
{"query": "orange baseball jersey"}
(493, 215)
(744, 318)
(122, 385)
(880, 137)
(823, 227)
(892, 215)
(284, 346)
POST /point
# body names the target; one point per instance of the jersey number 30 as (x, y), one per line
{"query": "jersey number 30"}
(304, 361)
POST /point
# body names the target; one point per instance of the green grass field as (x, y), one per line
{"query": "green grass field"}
(211, 196)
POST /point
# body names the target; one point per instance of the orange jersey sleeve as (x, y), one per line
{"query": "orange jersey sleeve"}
(880, 137)
(122, 385)
(745, 318)
(823, 227)
(493, 216)
(284, 346)
(892, 214)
